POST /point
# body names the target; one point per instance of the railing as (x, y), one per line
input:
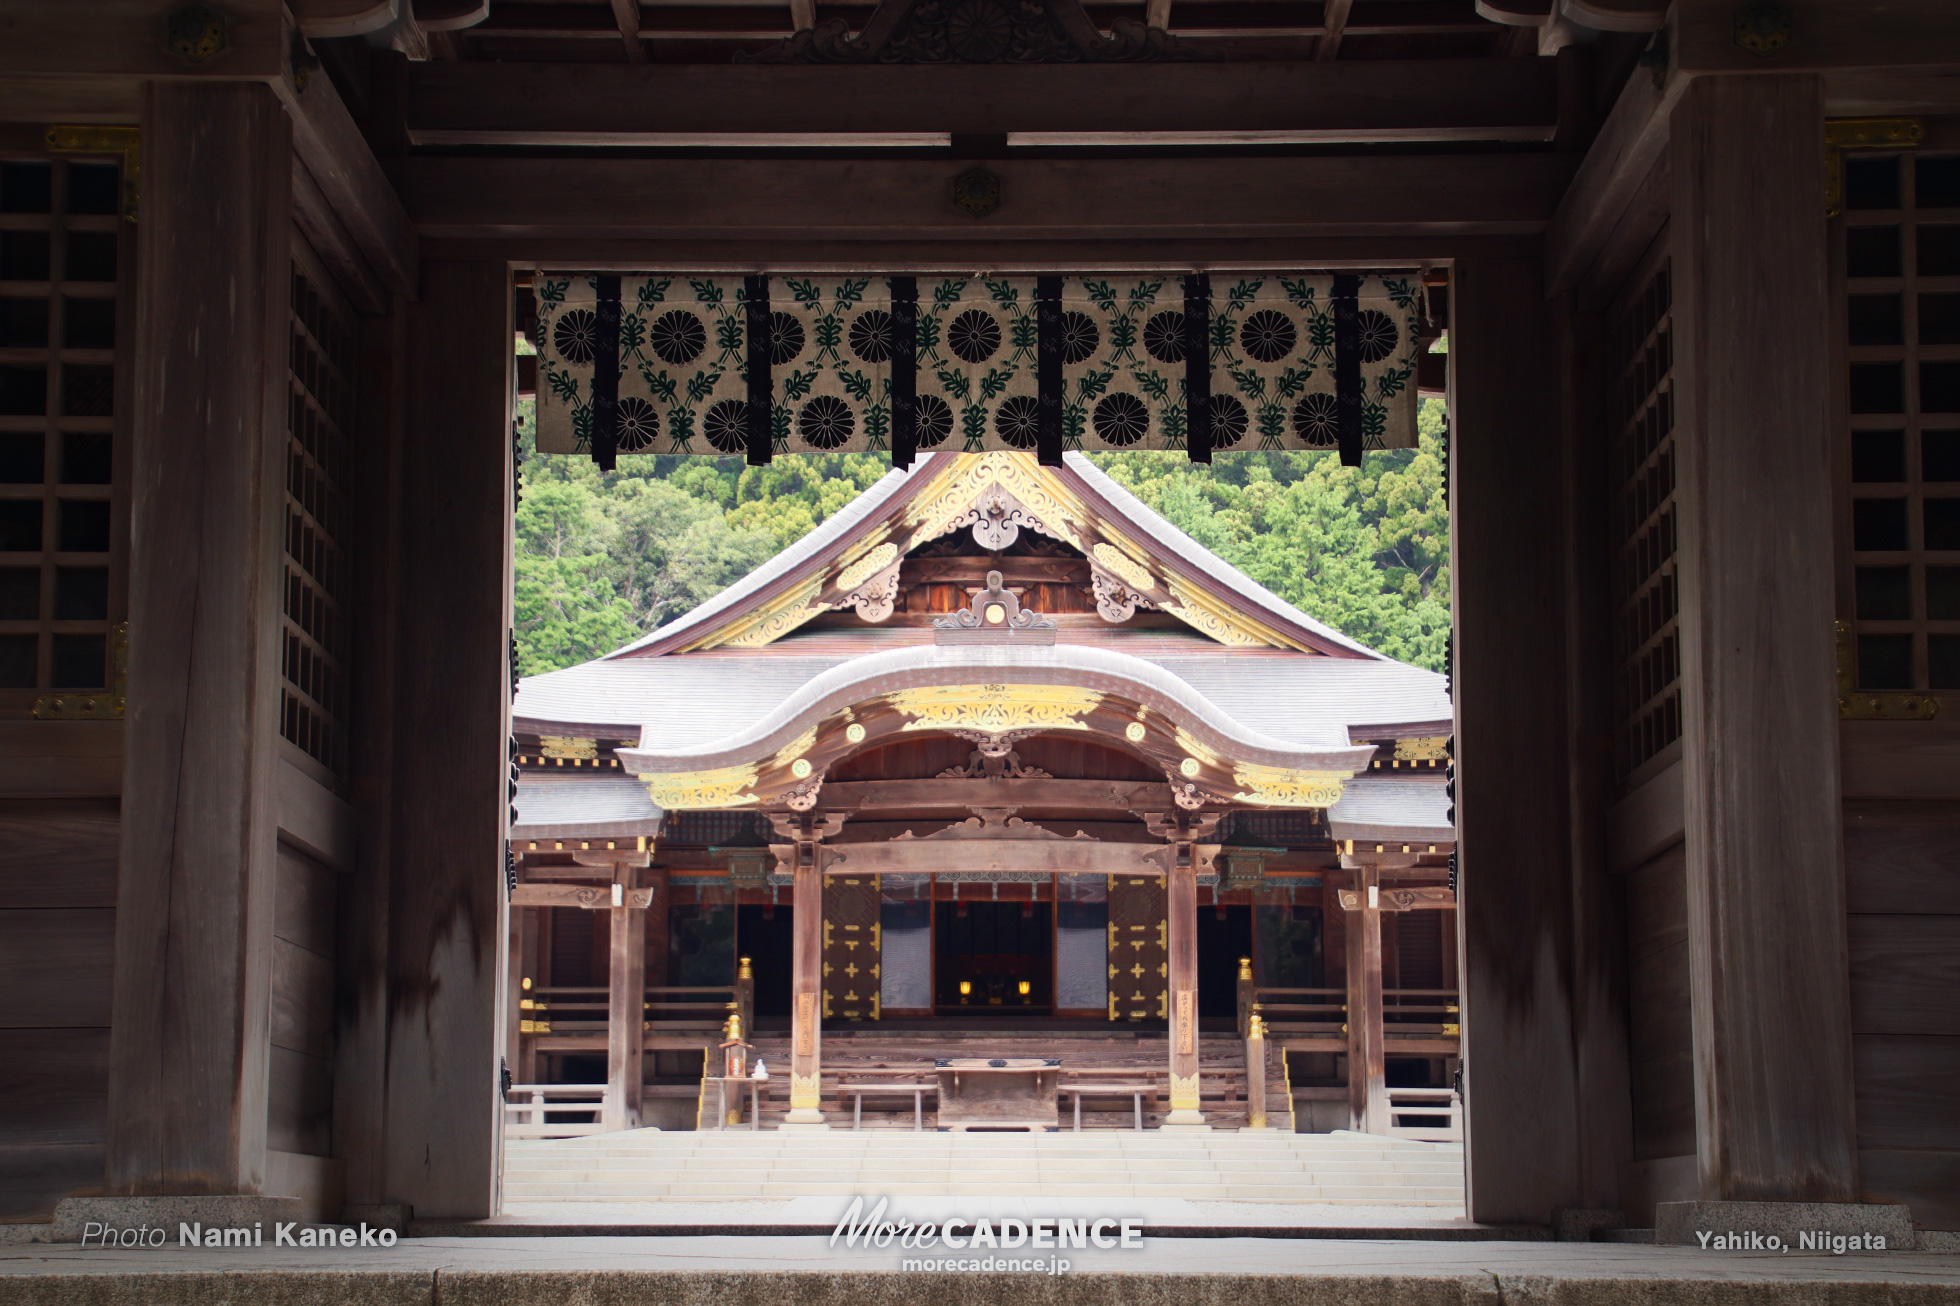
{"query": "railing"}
(1430, 1114)
(576, 1009)
(1409, 1013)
(1420, 1013)
(1294, 1011)
(528, 1109)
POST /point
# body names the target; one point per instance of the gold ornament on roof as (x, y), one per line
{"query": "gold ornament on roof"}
(1432, 748)
(1122, 564)
(1274, 786)
(862, 570)
(995, 709)
(679, 791)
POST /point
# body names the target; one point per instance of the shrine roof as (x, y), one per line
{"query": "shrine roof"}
(1180, 640)
(1298, 699)
(1406, 809)
(1075, 502)
(582, 805)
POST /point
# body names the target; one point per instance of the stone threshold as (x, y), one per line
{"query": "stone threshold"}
(502, 1228)
(509, 1271)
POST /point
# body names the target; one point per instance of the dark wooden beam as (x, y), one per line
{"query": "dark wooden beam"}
(328, 143)
(961, 796)
(323, 18)
(627, 14)
(1333, 24)
(580, 104)
(1045, 199)
(997, 251)
(1602, 208)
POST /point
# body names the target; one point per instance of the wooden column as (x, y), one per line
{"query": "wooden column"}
(450, 801)
(189, 1049)
(1367, 1043)
(1512, 792)
(1182, 927)
(806, 993)
(626, 981)
(522, 1054)
(806, 983)
(1766, 932)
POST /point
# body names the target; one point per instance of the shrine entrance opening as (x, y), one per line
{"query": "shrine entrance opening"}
(993, 958)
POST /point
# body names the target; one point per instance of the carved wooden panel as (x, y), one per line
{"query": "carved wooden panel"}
(851, 947)
(1139, 952)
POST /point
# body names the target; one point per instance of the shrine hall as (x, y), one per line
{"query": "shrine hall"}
(991, 839)
(995, 758)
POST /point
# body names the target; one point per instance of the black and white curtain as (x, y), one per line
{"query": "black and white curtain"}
(680, 363)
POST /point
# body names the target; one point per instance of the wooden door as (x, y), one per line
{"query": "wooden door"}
(850, 947)
(1139, 949)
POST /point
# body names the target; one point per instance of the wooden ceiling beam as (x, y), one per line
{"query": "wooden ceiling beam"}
(626, 13)
(570, 199)
(1334, 23)
(597, 105)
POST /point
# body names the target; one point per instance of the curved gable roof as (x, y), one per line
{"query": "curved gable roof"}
(803, 580)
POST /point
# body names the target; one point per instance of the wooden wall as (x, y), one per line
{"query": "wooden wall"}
(300, 1103)
(57, 948)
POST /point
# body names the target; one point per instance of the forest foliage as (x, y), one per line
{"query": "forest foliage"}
(605, 557)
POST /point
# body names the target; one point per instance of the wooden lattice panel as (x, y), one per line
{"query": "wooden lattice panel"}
(1899, 311)
(63, 256)
(319, 415)
(851, 948)
(1647, 635)
(1139, 948)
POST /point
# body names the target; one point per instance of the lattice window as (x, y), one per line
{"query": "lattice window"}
(1647, 634)
(62, 245)
(313, 699)
(1901, 322)
(1275, 829)
(712, 827)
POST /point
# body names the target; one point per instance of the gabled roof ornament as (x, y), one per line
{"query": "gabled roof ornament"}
(995, 616)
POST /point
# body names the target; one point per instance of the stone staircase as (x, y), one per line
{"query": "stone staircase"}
(849, 1052)
(1266, 1166)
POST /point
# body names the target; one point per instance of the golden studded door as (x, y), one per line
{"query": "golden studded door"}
(1139, 948)
(850, 947)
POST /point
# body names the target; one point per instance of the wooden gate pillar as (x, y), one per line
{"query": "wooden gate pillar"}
(804, 857)
(1367, 1040)
(1182, 919)
(626, 998)
(1182, 831)
(190, 1050)
(1765, 887)
(1522, 1150)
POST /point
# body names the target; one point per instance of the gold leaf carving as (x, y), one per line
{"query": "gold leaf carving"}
(1213, 618)
(568, 747)
(679, 791)
(1275, 786)
(873, 562)
(767, 622)
(995, 709)
(935, 512)
(1115, 560)
(1429, 749)
(795, 748)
